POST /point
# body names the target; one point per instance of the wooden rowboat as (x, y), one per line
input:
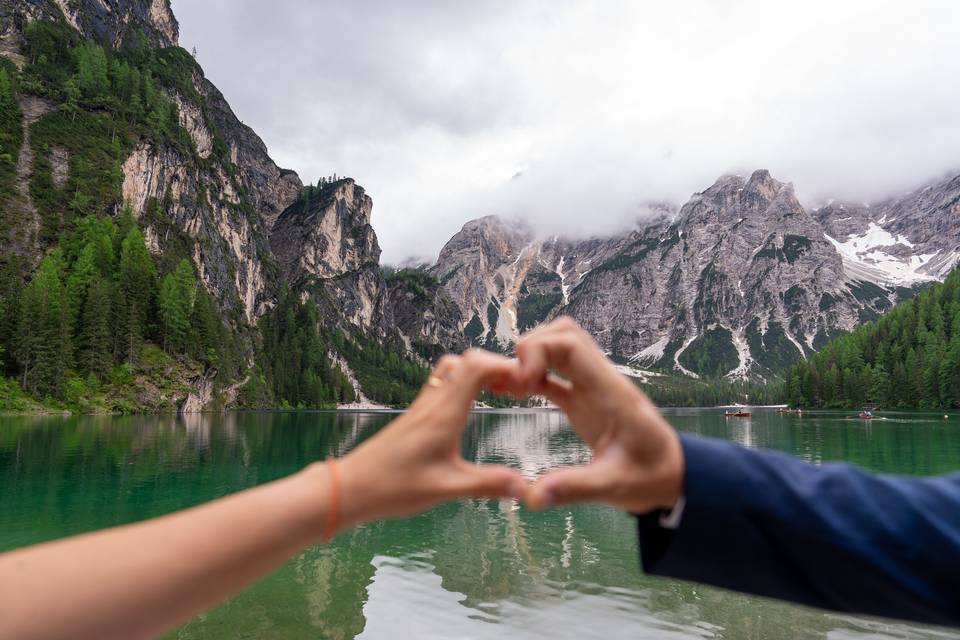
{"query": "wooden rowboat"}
(737, 414)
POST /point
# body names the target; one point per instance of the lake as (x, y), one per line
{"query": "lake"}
(471, 569)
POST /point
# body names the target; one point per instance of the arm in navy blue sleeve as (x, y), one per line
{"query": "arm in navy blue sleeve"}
(833, 536)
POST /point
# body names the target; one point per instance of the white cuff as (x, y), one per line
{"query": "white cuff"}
(671, 519)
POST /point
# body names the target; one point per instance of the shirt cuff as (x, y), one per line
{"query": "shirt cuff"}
(671, 519)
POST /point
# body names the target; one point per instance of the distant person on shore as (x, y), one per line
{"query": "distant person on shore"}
(833, 536)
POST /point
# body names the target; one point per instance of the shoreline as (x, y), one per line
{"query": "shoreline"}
(377, 408)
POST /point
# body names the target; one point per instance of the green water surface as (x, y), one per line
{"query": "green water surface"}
(471, 569)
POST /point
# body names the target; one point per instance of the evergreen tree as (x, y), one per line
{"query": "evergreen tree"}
(9, 108)
(186, 284)
(205, 328)
(136, 281)
(43, 332)
(92, 75)
(908, 358)
(96, 336)
(880, 386)
(10, 131)
(177, 295)
(125, 224)
(11, 288)
(82, 273)
(72, 93)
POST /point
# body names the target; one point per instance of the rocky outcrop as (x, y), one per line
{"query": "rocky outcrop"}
(108, 21)
(479, 267)
(700, 295)
(325, 245)
(201, 392)
(269, 188)
(326, 234)
(901, 241)
(425, 314)
(192, 120)
(178, 203)
(22, 238)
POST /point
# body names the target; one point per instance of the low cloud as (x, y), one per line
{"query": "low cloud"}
(572, 115)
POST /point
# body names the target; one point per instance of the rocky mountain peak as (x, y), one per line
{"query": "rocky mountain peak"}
(493, 240)
(761, 188)
(732, 201)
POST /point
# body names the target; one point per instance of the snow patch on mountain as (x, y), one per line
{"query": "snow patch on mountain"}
(743, 353)
(865, 258)
(640, 374)
(676, 359)
(564, 287)
(653, 353)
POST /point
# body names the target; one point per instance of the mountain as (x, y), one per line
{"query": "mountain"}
(742, 281)
(910, 238)
(910, 358)
(216, 267)
(154, 257)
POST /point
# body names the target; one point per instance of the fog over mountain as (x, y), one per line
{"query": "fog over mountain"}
(572, 115)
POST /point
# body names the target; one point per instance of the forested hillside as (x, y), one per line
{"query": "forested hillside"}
(101, 319)
(909, 358)
(136, 269)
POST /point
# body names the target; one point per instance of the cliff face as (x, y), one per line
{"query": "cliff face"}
(224, 197)
(742, 281)
(106, 21)
(214, 199)
(426, 316)
(326, 246)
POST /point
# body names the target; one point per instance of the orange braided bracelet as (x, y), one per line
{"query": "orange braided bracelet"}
(330, 529)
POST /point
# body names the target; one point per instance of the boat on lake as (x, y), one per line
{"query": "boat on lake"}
(737, 414)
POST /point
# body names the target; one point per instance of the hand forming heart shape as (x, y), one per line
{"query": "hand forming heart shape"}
(415, 463)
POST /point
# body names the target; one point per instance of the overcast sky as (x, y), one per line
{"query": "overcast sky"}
(572, 114)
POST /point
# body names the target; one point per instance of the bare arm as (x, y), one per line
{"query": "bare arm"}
(140, 580)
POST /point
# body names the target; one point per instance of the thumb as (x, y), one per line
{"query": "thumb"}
(487, 481)
(590, 483)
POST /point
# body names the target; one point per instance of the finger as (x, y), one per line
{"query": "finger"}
(446, 365)
(480, 370)
(441, 375)
(575, 484)
(562, 324)
(553, 388)
(564, 352)
(486, 481)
